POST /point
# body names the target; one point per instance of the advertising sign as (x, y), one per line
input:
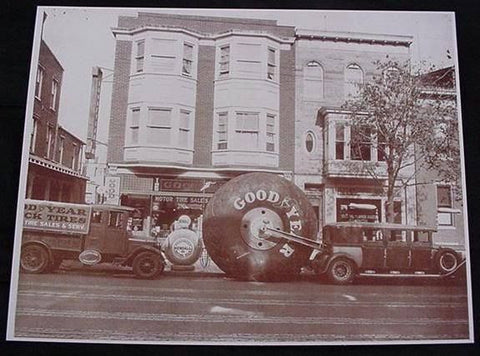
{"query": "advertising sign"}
(112, 185)
(55, 216)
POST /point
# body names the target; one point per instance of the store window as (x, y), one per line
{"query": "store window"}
(270, 133)
(310, 142)
(271, 64)
(364, 210)
(38, 83)
(246, 130)
(353, 80)
(159, 126)
(140, 56)
(224, 63)
(184, 129)
(222, 131)
(445, 215)
(187, 59)
(313, 81)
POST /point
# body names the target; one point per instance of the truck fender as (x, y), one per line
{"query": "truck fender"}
(335, 255)
(135, 252)
(44, 245)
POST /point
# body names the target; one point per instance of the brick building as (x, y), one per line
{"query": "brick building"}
(196, 101)
(54, 166)
(329, 67)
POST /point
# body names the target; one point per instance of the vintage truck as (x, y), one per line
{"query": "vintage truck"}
(55, 231)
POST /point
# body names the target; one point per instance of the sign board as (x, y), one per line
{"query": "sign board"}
(56, 216)
(180, 202)
(187, 185)
(112, 193)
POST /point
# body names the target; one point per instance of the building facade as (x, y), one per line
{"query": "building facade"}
(329, 68)
(54, 166)
(196, 101)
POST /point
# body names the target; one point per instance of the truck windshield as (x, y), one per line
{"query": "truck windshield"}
(115, 219)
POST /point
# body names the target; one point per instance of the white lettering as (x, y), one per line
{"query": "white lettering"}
(239, 204)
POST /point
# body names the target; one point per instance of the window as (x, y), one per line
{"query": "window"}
(53, 95)
(222, 131)
(224, 64)
(38, 83)
(159, 125)
(339, 141)
(61, 144)
(247, 129)
(140, 56)
(353, 80)
(444, 205)
(313, 81)
(50, 141)
(75, 154)
(271, 65)
(184, 128)
(310, 142)
(270, 133)
(115, 219)
(187, 59)
(360, 147)
(96, 216)
(381, 147)
(33, 136)
(134, 126)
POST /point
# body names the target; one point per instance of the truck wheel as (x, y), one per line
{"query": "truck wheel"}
(233, 220)
(183, 247)
(447, 261)
(147, 265)
(341, 271)
(34, 259)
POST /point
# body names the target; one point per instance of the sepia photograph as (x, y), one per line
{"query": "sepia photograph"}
(242, 177)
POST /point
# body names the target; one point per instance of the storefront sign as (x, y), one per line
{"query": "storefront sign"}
(187, 185)
(112, 186)
(181, 200)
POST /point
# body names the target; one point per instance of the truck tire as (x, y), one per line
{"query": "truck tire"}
(147, 265)
(183, 247)
(341, 271)
(233, 218)
(34, 259)
(446, 261)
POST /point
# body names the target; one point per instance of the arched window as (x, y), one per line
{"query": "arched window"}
(313, 81)
(310, 142)
(353, 80)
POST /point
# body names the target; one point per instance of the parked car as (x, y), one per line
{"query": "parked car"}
(350, 249)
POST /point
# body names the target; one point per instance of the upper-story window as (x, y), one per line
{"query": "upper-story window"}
(270, 133)
(222, 130)
(246, 130)
(61, 146)
(184, 129)
(309, 142)
(75, 157)
(159, 126)
(140, 56)
(33, 136)
(313, 81)
(340, 141)
(50, 141)
(134, 127)
(272, 64)
(353, 80)
(38, 83)
(187, 59)
(361, 144)
(53, 95)
(224, 63)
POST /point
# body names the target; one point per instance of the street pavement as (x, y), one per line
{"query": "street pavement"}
(180, 307)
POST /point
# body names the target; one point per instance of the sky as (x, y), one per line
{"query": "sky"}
(82, 38)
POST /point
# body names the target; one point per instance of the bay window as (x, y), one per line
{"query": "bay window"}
(184, 129)
(140, 56)
(159, 126)
(224, 63)
(246, 129)
(134, 126)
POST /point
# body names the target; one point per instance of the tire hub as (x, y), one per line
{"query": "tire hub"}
(253, 223)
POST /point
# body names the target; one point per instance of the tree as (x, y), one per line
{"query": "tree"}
(410, 121)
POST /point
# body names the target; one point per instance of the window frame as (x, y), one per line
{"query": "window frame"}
(158, 127)
(188, 61)
(445, 214)
(270, 135)
(134, 126)
(313, 140)
(351, 86)
(222, 144)
(224, 59)
(50, 141)
(272, 64)
(39, 82)
(243, 131)
(184, 129)
(54, 94)
(33, 135)
(139, 57)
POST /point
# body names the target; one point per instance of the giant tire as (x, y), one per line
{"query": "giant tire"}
(34, 259)
(183, 247)
(232, 218)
